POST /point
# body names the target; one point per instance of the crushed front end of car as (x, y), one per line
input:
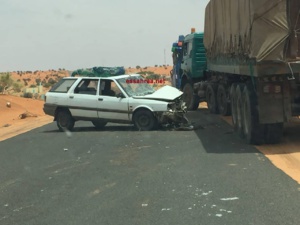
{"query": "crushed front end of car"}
(175, 116)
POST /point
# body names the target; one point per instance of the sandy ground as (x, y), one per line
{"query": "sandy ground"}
(10, 122)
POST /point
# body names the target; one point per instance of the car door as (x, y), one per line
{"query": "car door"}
(83, 99)
(112, 102)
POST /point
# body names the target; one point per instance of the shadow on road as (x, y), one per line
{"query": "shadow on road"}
(216, 135)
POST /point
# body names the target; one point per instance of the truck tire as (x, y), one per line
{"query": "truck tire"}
(211, 98)
(233, 106)
(64, 120)
(222, 100)
(191, 100)
(144, 120)
(253, 131)
(239, 112)
(273, 133)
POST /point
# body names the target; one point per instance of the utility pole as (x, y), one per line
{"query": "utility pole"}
(165, 57)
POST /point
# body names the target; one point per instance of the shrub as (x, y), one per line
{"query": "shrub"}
(28, 95)
(46, 85)
(153, 77)
(138, 67)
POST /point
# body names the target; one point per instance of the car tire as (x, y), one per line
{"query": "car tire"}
(99, 124)
(144, 120)
(64, 120)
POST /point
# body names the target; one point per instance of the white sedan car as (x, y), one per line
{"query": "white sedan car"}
(119, 99)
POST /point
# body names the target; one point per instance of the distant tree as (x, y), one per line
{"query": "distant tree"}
(38, 81)
(51, 81)
(8, 84)
(138, 67)
(17, 86)
(28, 95)
(5, 81)
(155, 66)
(32, 86)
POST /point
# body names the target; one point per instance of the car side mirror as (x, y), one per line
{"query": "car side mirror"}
(120, 95)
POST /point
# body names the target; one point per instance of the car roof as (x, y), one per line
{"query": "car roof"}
(111, 77)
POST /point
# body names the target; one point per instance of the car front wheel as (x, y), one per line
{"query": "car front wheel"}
(144, 120)
(64, 120)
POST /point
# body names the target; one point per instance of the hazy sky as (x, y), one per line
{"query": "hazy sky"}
(73, 34)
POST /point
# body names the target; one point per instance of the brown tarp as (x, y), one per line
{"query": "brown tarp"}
(259, 29)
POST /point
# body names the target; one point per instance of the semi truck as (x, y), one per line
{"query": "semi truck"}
(246, 63)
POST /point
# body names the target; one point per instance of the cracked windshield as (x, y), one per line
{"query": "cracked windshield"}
(136, 87)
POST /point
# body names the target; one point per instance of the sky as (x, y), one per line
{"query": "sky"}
(74, 34)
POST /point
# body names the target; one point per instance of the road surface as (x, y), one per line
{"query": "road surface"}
(120, 176)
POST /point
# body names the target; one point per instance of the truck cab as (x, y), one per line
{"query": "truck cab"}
(189, 60)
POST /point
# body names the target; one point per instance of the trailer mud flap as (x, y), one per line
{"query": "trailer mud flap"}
(270, 102)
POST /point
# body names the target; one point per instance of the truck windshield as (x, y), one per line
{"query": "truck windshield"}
(135, 86)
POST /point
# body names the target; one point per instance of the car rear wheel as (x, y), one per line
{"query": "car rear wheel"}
(64, 120)
(144, 120)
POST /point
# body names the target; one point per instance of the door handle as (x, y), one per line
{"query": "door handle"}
(100, 99)
(71, 96)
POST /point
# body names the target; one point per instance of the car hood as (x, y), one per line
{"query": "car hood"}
(166, 93)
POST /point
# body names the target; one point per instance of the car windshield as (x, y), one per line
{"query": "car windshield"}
(135, 86)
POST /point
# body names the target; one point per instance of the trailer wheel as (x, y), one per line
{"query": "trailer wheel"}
(222, 100)
(273, 133)
(239, 110)
(211, 98)
(253, 131)
(233, 106)
(192, 102)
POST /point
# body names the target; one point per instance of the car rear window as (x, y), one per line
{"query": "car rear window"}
(63, 85)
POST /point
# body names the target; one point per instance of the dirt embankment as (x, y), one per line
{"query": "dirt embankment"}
(20, 115)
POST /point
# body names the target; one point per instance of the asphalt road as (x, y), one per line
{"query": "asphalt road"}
(120, 176)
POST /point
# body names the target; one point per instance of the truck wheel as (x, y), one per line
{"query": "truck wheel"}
(273, 133)
(144, 120)
(189, 98)
(233, 106)
(222, 100)
(211, 98)
(99, 124)
(64, 120)
(239, 110)
(254, 132)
